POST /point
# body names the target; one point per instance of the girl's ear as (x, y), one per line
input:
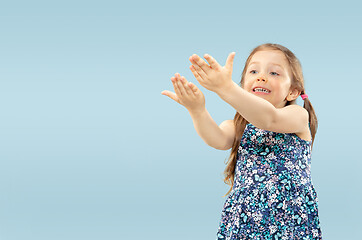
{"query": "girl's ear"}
(293, 94)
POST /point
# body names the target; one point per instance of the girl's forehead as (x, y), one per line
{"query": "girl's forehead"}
(269, 56)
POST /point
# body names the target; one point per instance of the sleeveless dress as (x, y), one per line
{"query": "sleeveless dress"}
(273, 196)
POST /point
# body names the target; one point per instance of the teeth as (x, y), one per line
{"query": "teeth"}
(261, 90)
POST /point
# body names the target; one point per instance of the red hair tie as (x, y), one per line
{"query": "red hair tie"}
(304, 96)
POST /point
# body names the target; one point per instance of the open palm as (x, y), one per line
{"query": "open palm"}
(213, 77)
(187, 94)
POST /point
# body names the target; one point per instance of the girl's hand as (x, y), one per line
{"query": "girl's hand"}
(187, 94)
(212, 77)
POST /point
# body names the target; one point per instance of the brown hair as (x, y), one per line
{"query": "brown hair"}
(297, 81)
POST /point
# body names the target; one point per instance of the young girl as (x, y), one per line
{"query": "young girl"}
(271, 138)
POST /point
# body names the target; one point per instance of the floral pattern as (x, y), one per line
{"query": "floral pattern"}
(273, 196)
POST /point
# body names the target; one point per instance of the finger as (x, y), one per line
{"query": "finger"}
(175, 86)
(196, 74)
(188, 87)
(180, 85)
(230, 60)
(213, 63)
(200, 73)
(185, 90)
(194, 89)
(185, 85)
(199, 63)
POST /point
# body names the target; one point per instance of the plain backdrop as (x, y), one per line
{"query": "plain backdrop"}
(91, 149)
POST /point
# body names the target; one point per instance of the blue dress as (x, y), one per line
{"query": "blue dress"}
(273, 196)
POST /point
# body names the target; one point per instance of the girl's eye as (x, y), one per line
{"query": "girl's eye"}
(270, 72)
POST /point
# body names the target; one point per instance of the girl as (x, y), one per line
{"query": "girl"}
(271, 138)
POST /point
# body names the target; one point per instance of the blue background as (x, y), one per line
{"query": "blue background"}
(91, 149)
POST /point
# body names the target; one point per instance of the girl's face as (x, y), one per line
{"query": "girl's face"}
(269, 70)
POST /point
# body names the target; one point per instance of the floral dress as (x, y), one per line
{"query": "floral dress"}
(273, 196)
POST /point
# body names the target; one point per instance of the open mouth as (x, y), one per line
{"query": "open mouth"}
(261, 90)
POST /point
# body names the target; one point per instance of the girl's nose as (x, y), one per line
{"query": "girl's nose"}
(262, 79)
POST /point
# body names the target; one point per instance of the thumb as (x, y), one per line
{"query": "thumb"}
(170, 95)
(230, 60)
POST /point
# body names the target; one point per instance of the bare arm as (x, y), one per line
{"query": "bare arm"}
(210, 132)
(263, 114)
(253, 108)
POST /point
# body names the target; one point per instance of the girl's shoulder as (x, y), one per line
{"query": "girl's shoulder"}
(290, 119)
(306, 135)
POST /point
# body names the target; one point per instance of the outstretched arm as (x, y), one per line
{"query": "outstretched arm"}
(190, 96)
(260, 112)
(254, 109)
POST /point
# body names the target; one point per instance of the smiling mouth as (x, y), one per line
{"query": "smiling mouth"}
(261, 91)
